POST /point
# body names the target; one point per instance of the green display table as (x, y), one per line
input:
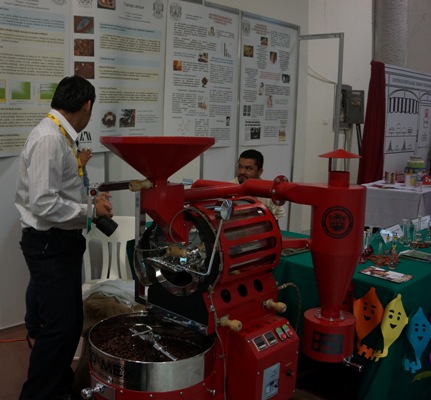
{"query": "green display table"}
(387, 377)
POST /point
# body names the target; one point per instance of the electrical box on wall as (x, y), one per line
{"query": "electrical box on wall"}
(352, 107)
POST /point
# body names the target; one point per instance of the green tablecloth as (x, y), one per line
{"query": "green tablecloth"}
(386, 378)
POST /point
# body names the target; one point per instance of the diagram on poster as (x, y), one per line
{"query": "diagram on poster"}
(408, 104)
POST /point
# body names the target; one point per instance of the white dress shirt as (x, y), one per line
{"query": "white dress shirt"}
(277, 211)
(50, 192)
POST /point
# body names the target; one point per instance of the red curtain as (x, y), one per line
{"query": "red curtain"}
(372, 148)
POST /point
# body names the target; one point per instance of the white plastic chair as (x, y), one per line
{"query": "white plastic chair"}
(113, 261)
(109, 256)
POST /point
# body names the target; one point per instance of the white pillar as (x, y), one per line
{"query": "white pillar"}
(391, 31)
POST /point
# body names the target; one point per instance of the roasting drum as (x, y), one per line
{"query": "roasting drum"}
(149, 353)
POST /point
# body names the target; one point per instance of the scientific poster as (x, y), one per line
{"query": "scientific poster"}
(269, 61)
(118, 45)
(160, 67)
(201, 72)
(34, 53)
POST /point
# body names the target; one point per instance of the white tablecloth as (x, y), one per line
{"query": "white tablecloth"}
(387, 205)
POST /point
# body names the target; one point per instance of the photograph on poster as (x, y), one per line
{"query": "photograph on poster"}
(108, 4)
(84, 69)
(177, 65)
(109, 119)
(248, 50)
(83, 24)
(83, 47)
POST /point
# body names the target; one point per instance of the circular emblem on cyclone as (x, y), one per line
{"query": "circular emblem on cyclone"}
(337, 222)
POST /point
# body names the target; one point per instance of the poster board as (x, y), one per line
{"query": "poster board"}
(269, 54)
(119, 46)
(408, 128)
(202, 72)
(128, 51)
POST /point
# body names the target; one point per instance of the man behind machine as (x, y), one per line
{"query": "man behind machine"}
(250, 166)
(52, 202)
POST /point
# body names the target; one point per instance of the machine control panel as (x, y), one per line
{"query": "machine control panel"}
(287, 330)
(266, 358)
(280, 333)
(259, 343)
(269, 338)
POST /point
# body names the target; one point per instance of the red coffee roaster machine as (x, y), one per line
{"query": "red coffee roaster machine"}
(213, 328)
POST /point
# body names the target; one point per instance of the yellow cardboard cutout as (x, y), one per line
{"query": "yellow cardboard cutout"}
(393, 323)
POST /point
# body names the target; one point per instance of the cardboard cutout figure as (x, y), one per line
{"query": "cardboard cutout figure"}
(368, 311)
(419, 335)
(393, 322)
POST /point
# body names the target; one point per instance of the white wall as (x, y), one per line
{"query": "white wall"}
(313, 137)
(13, 273)
(354, 19)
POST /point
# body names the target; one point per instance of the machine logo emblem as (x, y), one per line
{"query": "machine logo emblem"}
(337, 222)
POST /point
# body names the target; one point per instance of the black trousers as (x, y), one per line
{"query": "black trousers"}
(54, 314)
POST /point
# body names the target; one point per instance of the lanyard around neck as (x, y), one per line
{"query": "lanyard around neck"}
(69, 141)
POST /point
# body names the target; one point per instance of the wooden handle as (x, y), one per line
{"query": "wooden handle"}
(277, 306)
(233, 324)
(136, 185)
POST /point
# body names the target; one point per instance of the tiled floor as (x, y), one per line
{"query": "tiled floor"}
(315, 381)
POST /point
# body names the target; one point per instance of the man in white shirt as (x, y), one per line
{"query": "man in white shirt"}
(51, 199)
(250, 166)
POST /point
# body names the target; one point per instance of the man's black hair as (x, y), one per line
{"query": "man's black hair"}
(72, 93)
(255, 155)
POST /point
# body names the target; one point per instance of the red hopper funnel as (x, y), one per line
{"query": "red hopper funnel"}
(157, 157)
